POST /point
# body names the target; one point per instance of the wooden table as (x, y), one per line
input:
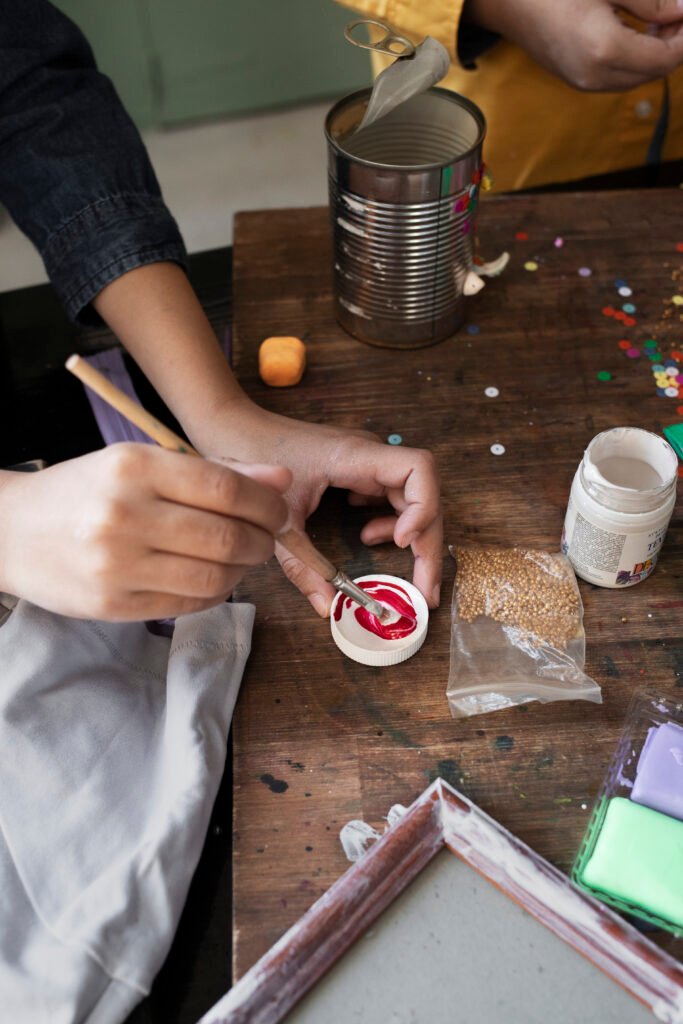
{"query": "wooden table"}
(319, 739)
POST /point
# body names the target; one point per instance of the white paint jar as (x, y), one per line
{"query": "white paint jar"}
(620, 504)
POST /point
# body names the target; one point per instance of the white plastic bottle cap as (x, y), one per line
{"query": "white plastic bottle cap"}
(361, 644)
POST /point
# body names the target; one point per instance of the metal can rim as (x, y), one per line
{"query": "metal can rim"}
(448, 94)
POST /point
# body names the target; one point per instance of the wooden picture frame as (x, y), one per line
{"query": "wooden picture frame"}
(443, 818)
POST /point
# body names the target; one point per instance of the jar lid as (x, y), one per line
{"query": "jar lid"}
(349, 622)
(629, 470)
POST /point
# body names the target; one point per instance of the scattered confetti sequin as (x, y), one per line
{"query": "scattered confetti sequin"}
(667, 373)
(473, 329)
(395, 439)
(497, 449)
(491, 392)
(679, 246)
(625, 291)
(585, 271)
(677, 300)
(629, 308)
(521, 236)
(651, 343)
(633, 353)
(531, 265)
(604, 375)
(559, 242)
(624, 344)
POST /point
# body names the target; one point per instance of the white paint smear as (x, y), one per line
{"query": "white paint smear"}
(350, 227)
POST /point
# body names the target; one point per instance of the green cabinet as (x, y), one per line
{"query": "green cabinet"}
(174, 61)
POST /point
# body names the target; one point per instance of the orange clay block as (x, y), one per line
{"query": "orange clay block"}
(281, 361)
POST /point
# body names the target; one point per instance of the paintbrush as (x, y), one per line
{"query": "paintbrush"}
(294, 541)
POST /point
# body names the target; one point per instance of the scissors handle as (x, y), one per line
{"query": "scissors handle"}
(391, 44)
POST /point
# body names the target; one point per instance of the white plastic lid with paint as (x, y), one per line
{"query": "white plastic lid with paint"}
(364, 646)
(620, 504)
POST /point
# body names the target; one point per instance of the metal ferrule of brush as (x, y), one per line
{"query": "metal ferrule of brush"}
(342, 582)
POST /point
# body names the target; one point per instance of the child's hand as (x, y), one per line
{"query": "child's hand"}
(135, 532)
(321, 457)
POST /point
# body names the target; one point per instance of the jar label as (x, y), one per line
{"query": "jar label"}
(607, 557)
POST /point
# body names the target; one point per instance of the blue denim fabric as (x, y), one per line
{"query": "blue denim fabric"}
(74, 173)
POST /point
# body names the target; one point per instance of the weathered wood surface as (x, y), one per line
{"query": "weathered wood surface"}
(318, 739)
(442, 817)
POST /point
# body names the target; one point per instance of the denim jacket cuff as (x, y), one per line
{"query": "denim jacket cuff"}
(104, 240)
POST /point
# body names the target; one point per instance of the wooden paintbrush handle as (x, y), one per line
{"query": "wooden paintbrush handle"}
(298, 544)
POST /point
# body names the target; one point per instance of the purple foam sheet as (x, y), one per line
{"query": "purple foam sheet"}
(659, 775)
(112, 425)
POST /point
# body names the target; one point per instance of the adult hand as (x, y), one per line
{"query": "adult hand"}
(321, 456)
(588, 43)
(134, 532)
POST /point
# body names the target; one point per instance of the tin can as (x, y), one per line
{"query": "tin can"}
(403, 203)
(620, 504)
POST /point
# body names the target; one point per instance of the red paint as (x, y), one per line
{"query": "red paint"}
(403, 626)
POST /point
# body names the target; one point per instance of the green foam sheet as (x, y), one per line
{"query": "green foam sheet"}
(638, 857)
(674, 435)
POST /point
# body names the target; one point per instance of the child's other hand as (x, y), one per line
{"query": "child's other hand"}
(588, 43)
(134, 532)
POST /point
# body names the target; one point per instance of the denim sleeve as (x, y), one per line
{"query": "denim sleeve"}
(74, 173)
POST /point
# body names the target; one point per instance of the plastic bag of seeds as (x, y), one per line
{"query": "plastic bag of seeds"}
(516, 631)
